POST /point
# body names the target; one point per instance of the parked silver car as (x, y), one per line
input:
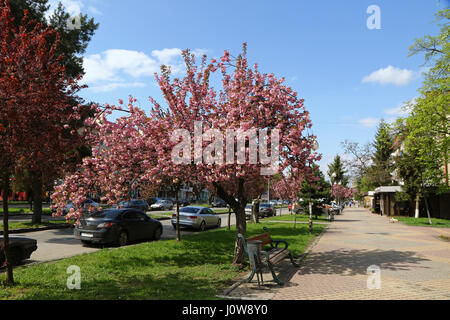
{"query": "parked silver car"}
(197, 217)
(162, 205)
(248, 211)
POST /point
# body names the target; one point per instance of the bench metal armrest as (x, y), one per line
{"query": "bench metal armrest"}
(277, 242)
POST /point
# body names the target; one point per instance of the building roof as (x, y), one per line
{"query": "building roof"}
(388, 189)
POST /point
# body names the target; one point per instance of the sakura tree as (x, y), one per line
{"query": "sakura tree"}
(38, 105)
(184, 139)
(340, 192)
(248, 99)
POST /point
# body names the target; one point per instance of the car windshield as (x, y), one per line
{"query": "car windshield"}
(266, 205)
(108, 214)
(249, 206)
(189, 210)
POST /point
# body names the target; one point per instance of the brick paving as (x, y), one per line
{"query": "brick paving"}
(413, 262)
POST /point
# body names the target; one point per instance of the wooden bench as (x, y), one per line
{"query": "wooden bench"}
(269, 257)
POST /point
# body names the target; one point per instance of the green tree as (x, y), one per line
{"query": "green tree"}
(336, 172)
(73, 41)
(429, 122)
(379, 174)
(318, 192)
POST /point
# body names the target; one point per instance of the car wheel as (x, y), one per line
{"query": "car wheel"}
(122, 240)
(203, 226)
(157, 234)
(219, 223)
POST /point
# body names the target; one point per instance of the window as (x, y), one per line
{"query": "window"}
(189, 210)
(141, 217)
(129, 215)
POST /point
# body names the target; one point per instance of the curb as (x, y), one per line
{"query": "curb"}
(31, 230)
(312, 245)
(55, 227)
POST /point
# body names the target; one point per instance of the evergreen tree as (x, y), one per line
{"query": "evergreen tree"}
(318, 192)
(73, 41)
(379, 174)
(336, 172)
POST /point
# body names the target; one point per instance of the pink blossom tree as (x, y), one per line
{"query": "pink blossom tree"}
(162, 141)
(340, 192)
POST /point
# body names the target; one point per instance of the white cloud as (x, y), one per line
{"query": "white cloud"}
(114, 86)
(73, 7)
(166, 55)
(401, 109)
(390, 75)
(368, 122)
(116, 66)
(94, 10)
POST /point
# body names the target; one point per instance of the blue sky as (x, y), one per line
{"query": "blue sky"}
(350, 76)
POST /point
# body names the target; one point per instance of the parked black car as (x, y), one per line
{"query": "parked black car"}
(20, 248)
(117, 226)
(219, 203)
(184, 203)
(136, 204)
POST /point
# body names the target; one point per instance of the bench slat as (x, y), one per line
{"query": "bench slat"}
(278, 256)
(264, 238)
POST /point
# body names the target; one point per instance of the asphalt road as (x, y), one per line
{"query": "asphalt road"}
(59, 244)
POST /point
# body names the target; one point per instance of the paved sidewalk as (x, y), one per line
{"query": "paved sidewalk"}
(414, 262)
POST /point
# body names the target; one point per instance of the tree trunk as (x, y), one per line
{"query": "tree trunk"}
(178, 217)
(255, 212)
(295, 219)
(37, 197)
(310, 218)
(30, 200)
(241, 227)
(5, 242)
(241, 222)
(417, 207)
(428, 210)
(229, 218)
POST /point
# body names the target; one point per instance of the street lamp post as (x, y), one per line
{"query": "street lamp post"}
(315, 148)
(334, 175)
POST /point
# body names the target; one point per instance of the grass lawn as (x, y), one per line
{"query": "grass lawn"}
(300, 218)
(29, 225)
(16, 202)
(423, 222)
(196, 268)
(25, 210)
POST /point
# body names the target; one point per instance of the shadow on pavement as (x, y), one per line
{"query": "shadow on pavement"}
(356, 262)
